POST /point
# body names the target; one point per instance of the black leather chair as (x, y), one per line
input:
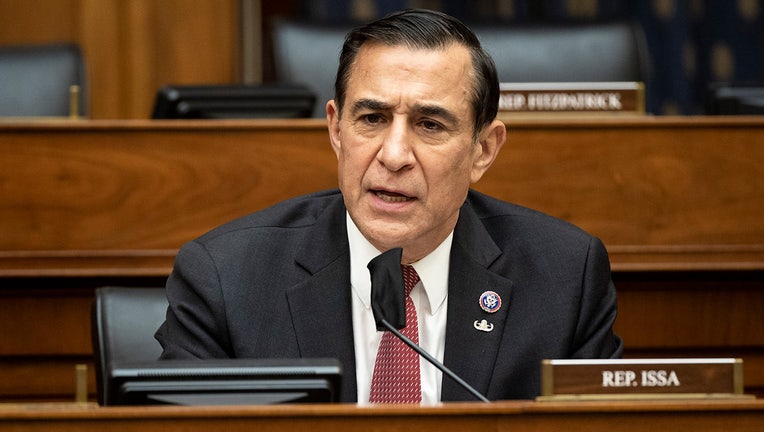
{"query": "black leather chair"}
(35, 80)
(595, 52)
(308, 53)
(124, 321)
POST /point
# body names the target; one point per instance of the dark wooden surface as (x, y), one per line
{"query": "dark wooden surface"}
(625, 416)
(118, 197)
(677, 201)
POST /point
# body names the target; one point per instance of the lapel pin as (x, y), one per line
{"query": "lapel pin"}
(490, 301)
(483, 325)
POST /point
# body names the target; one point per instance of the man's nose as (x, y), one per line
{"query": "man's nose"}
(396, 152)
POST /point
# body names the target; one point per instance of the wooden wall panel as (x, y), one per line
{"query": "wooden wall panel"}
(132, 48)
(661, 193)
(45, 322)
(48, 378)
(689, 311)
(677, 202)
(150, 44)
(39, 21)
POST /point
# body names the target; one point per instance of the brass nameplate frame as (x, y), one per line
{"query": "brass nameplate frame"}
(641, 378)
(572, 98)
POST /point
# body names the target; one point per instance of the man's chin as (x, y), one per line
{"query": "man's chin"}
(386, 235)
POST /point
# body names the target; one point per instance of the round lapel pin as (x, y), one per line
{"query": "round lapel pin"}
(490, 301)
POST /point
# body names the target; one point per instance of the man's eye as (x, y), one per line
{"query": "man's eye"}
(372, 118)
(431, 125)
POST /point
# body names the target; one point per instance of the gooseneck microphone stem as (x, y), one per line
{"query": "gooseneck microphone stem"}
(434, 361)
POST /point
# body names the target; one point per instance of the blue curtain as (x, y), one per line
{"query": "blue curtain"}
(692, 43)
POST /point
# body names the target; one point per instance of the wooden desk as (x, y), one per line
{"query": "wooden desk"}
(697, 416)
(118, 198)
(677, 201)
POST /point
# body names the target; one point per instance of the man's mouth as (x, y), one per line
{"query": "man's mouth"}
(391, 197)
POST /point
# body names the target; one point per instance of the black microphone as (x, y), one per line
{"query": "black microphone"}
(388, 301)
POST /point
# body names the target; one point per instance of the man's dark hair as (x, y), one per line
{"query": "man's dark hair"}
(425, 29)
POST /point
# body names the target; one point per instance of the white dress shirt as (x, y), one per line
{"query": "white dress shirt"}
(430, 296)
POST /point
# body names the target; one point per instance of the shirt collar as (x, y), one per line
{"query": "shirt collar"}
(430, 268)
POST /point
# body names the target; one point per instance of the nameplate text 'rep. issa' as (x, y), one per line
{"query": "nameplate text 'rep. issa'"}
(642, 379)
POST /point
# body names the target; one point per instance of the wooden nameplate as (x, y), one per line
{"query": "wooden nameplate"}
(642, 379)
(572, 98)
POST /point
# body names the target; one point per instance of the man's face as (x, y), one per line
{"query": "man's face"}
(405, 144)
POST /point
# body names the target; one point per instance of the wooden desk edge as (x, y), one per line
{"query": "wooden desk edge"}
(158, 262)
(92, 410)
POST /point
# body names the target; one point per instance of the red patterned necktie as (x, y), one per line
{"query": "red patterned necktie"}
(396, 376)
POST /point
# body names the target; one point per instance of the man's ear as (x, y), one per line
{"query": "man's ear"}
(489, 143)
(333, 122)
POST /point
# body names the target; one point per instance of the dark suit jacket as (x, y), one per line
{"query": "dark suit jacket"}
(276, 283)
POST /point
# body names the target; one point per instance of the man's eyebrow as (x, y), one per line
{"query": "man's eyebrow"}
(427, 110)
(369, 105)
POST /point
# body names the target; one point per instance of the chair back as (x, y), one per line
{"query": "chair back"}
(124, 321)
(35, 80)
(594, 52)
(308, 54)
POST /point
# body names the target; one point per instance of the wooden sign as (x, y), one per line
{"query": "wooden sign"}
(577, 98)
(641, 378)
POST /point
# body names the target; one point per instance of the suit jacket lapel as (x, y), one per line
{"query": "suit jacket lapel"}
(321, 304)
(471, 353)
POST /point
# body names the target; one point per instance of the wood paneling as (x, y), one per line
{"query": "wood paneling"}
(42, 322)
(643, 182)
(147, 186)
(39, 21)
(662, 193)
(47, 378)
(46, 326)
(691, 310)
(677, 202)
(690, 313)
(132, 48)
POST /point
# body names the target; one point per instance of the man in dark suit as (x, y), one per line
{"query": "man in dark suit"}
(501, 287)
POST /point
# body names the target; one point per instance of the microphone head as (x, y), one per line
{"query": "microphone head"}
(388, 296)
